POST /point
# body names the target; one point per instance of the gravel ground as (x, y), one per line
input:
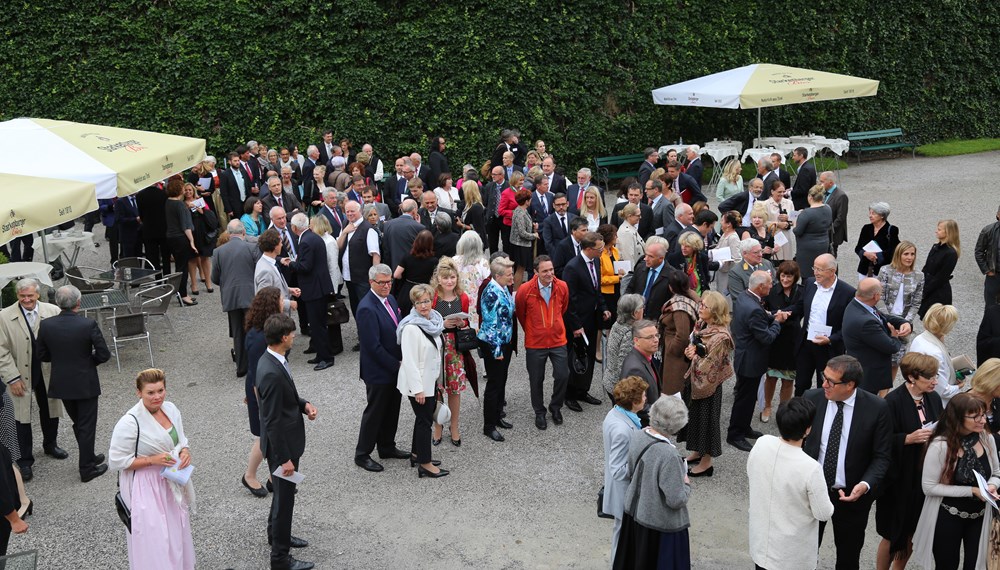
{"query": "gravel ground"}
(526, 503)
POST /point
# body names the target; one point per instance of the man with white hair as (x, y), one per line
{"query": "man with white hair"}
(824, 300)
(422, 171)
(399, 233)
(753, 260)
(360, 250)
(682, 224)
(313, 272)
(765, 172)
(308, 166)
(872, 336)
(694, 168)
(233, 265)
(336, 174)
(21, 369)
(376, 170)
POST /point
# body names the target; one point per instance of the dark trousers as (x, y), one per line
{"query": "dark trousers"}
(158, 252)
(238, 334)
(379, 420)
(318, 339)
(84, 415)
(493, 234)
(279, 521)
(849, 523)
(505, 238)
(496, 384)
(951, 534)
(50, 426)
(181, 248)
(810, 361)
(356, 292)
(991, 290)
(743, 403)
(21, 249)
(535, 360)
(579, 384)
(111, 234)
(422, 424)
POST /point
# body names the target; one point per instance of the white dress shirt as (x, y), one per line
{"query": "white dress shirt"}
(840, 482)
(820, 304)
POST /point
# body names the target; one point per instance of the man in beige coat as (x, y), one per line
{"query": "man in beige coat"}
(21, 371)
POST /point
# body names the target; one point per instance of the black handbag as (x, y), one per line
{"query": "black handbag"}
(124, 512)
(337, 312)
(466, 340)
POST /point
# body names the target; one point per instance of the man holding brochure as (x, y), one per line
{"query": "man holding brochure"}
(824, 299)
(282, 438)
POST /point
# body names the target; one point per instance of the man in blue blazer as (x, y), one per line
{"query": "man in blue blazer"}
(380, 358)
(540, 208)
(586, 311)
(872, 336)
(824, 300)
(753, 330)
(555, 227)
(129, 223)
(313, 273)
(684, 186)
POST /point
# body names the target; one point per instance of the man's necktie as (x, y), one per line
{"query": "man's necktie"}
(279, 202)
(391, 312)
(31, 319)
(286, 244)
(288, 368)
(577, 249)
(562, 223)
(579, 197)
(593, 272)
(649, 284)
(833, 446)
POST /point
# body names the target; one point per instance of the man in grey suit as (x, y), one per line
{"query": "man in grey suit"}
(872, 336)
(638, 362)
(266, 273)
(753, 260)
(662, 207)
(233, 268)
(398, 234)
(838, 202)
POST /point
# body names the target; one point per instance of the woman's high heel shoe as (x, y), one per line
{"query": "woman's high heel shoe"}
(706, 473)
(434, 462)
(421, 473)
(28, 510)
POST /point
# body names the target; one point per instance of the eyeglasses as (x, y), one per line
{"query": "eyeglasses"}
(818, 269)
(977, 418)
(382, 283)
(654, 335)
(827, 380)
(424, 302)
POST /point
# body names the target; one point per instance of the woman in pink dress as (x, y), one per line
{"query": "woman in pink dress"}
(148, 438)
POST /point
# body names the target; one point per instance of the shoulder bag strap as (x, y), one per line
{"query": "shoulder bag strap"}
(638, 470)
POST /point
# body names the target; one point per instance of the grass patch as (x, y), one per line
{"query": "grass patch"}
(956, 147)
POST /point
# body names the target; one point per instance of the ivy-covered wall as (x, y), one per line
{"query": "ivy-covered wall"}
(576, 73)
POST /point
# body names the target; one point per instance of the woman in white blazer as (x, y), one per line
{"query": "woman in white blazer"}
(419, 337)
(630, 397)
(938, 322)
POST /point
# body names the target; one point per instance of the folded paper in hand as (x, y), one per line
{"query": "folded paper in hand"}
(984, 490)
(295, 477)
(872, 247)
(624, 264)
(179, 476)
(819, 330)
(721, 254)
(780, 239)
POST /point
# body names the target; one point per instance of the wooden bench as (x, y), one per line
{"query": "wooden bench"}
(884, 134)
(604, 176)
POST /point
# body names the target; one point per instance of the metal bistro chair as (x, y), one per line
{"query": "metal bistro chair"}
(135, 263)
(173, 279)
(125, 328)
(76, 278)
(154, 302)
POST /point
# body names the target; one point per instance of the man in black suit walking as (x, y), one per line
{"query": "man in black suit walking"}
(648, 165)
(152, 205)
(872, 336)
(753, 330)
(851, 438)
(584, 315)
(129, 225)
(650, 279)
(555, 228)
(313, 273)
(557, 182)
(824, 300)
(75, 346)
(781, 173)
(634, 196)
(804, 180)
(282, 437)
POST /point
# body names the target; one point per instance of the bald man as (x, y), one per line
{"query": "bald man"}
(872, 336)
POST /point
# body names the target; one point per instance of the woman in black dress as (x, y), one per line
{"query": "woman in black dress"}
(180, 234)
(941, 261)
(265, 303)
(781, 357)
(882, 233)
(912, 405)
(415, 268)
(206, 231)
(474, 214)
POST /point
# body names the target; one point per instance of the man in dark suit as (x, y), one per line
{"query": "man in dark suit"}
(380, 358)
(638, 361)
(682, 224)
(233, 266)
(634, 196)
(851, 438)
(660, 205)
(423, 172)
(151, 202)
(332, 212)
(650, 279)
(744, 201)
(648, 165)
(325, 147)
(557, 182)
(282, 437)
(872, 336)
(683, 185)
(586, 311)
(575, 192)
(491, 200)
(428, 214)
(555, 228)
(310, 266)
(540, 207)
(753, 330)
(569, 247)
(766, 174)
(988, 337)
(75, 347)
(824, 300)
(398, 234)
(804, 180)
(694, 168)
(782, 174)
(129, 225)
(251, 166)
(837, 199)
(278, 197)
(234, 186)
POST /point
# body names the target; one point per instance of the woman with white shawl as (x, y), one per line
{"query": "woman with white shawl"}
(147, 439)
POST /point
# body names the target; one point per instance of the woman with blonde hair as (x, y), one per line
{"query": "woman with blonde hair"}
(938, 322)
(779, 209)
(731, 182)
(691, 259)
(593, 210)
(760, 229)
(986, 387)
(902, 291)
(321, 227)
(319, 186)
(450, 299)
(941, 262)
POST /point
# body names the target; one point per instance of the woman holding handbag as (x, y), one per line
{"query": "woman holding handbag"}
(450, 299)
(710, 353)
(149, 437)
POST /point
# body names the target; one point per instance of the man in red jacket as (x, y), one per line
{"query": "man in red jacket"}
(539, 305)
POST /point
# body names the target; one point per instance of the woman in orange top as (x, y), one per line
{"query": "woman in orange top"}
(610, 279)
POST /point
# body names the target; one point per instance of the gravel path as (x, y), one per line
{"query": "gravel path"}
(526, 503)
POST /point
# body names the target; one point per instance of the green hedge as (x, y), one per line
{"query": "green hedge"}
(576, 73)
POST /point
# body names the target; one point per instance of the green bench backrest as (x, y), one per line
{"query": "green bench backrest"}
(604, 161)
(865, 135)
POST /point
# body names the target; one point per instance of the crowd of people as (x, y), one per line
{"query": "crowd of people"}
(450, 278)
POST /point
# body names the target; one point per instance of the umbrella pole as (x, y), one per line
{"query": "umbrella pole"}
(758, 122)
(45, 248)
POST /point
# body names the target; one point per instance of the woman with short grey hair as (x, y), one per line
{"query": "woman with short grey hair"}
(877, 242)
(654, 526)
(619, 343)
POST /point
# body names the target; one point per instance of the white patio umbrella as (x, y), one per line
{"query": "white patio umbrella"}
(32, 204)
(764, 85)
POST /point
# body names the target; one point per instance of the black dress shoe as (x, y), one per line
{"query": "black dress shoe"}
(309, 351)
(313, 360)
(356, 348)
(57, 452)
(295, 542)
(504, 424)
(574, 405)
(323, 365)
(26, 474)
(590, 400)
(493, 434)
(259, 492)
(540, 422)
(368, 464)
(94, 472)
(394, 453)
(556, 417)
(413, 462)
(294, 564)
(754, 434)
(706, 473)
(421, 473)
(741, 443)
(98, 459)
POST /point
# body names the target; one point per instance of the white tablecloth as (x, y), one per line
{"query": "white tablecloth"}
(758, 153)
(668, 147)
(769, 141)
(721, 150)
(837, 146)
(787, 148)
(18, 270)
(68, 243)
